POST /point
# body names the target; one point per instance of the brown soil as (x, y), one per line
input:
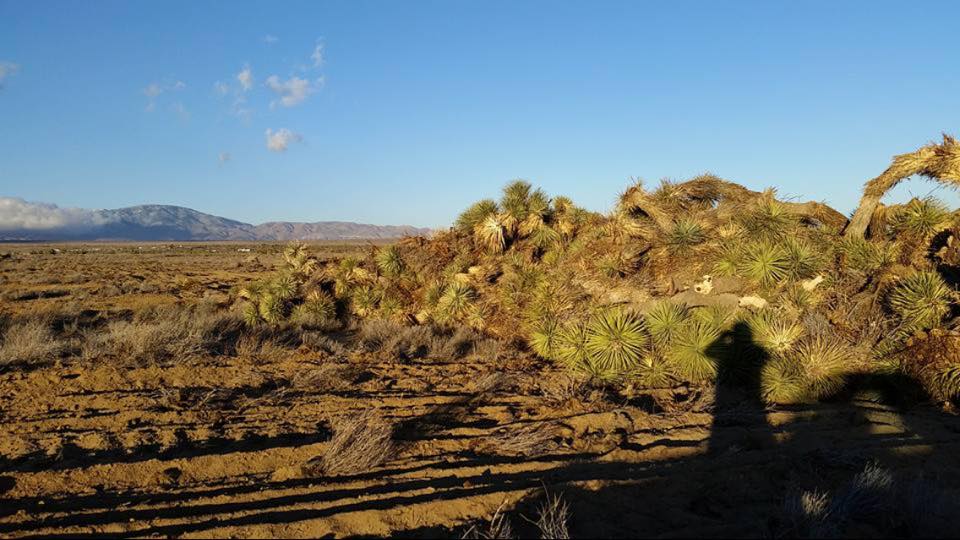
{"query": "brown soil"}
(221, 449)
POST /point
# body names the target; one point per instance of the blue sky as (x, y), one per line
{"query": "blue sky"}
(419, 108)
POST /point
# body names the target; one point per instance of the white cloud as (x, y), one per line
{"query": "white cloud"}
(317, 55)
(7, 69)
(179, 85)
(16, 213)
(270, 39)
(224, 157)
(152, 90)
(279, 141)
(292, 91)
(221, 88)
(246, 78)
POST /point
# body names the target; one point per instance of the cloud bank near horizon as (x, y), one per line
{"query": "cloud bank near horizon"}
(20, 214)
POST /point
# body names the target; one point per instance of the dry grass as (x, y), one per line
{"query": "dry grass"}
(530, 440)
(552, 517)
(361, 442)
(29, 342)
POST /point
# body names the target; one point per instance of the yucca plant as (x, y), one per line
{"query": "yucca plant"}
(456, 303)
(492, 233)
(921, 217)
(695, 354)
(921, 300)
(727, 262)
(476, 214)
(768, 218)
(764, 263)
(284, 287)
(782, 381)
(946, 383)
(543, 338)
(684, 235)
(570, 347)
(298, 260)
(365, 299)
(616, 340)
(866, 256)
(802, 259)
(270, 308)
(773, 331)
(664, 321)
(653, 372)
(390, 261)
(320, 305)
(824, 362)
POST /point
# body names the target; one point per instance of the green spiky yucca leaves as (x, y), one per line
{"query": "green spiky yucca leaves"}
(570, 347)
(803, 260)
(664, 321)
(543, 337)
(298, 260)
(921, 217)
(456, 303)
(390, 261)
(921, 300)
(492, 233)
(768, 218)
(764, 263)
(945, 383)
(816, 368)
(365, 299)
(729, 255)
(476, 214)
(866, 256)
(685, 234)
(774, 331)
(616, 341)
(697, 351)
(318, 308)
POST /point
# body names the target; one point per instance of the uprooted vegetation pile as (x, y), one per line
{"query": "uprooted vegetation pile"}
(688, 282)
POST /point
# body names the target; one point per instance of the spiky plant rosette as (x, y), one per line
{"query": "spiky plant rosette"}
(921, 300)
(492, 233)
(824, 362)
(616, 340)
(866, 256)
(570, 348)
(456, 303)
(764, 263)
(653, 371)
(921, 217)
(684, 235)
(390, 261)
(782, 381)
(774, 331)
(664, 321)
(802, 259)
(768, 218)
(543, 337)
(697, 351)
(476, 214)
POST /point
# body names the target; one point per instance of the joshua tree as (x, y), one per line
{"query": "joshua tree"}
(940, 162)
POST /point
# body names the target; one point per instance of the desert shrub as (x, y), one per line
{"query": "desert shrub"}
(361, 441)
(684, 235)
(696, 351)
(765, 263)
(920, 217)
(920, 300)
(29, 342)
(615, 342)
(664, 321)
(774, 331)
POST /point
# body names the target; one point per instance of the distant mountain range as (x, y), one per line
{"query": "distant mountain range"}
(26, 221)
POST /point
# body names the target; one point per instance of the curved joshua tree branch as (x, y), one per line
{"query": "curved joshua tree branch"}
(940, 162)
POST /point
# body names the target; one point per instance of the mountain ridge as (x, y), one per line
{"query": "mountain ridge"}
(157, 222)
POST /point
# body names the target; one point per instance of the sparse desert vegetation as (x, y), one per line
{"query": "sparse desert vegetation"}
(704, 360)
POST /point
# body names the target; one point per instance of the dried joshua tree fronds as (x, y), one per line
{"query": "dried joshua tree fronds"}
(940, 162)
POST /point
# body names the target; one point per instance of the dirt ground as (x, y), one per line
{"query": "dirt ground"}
(222, 446)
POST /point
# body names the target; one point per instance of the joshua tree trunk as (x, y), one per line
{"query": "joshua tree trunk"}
(940, 162)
